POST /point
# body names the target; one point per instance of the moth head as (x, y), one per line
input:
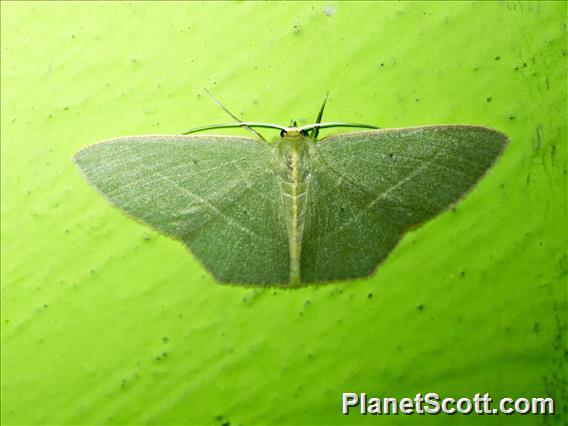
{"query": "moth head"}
(293, 132)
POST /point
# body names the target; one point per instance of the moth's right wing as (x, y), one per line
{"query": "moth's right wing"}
(367, 188)
(216, 194)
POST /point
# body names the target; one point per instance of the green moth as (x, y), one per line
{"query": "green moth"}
(296, 211)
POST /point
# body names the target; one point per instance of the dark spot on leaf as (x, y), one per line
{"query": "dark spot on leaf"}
(537, 137)
(165, 339)
(536, 327)
(370, 295)
(497, 58)
(489, 99)
(420, 307)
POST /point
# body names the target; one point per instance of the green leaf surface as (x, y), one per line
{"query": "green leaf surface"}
(105, 321)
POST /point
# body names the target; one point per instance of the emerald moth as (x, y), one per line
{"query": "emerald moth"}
(298, 210)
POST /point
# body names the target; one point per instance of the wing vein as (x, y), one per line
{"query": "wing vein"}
(150, 180)
(385, 194)
(209, 205)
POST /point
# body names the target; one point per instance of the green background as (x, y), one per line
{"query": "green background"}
(104, 321)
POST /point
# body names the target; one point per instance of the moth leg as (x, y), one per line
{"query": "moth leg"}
(315, 131)
(250, 129)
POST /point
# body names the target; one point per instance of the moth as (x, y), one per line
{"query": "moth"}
(297, 210)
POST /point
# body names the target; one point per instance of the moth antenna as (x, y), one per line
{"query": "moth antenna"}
(315, 131)
(214, 99)
(232, 125)
(335, 124)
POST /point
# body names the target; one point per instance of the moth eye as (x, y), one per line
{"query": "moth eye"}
(283, 133)
(303, 132)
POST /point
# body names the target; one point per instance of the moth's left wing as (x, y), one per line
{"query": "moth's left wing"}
(216, 194)
(367, 188)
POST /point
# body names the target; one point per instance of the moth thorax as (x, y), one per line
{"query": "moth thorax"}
(294, 160)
